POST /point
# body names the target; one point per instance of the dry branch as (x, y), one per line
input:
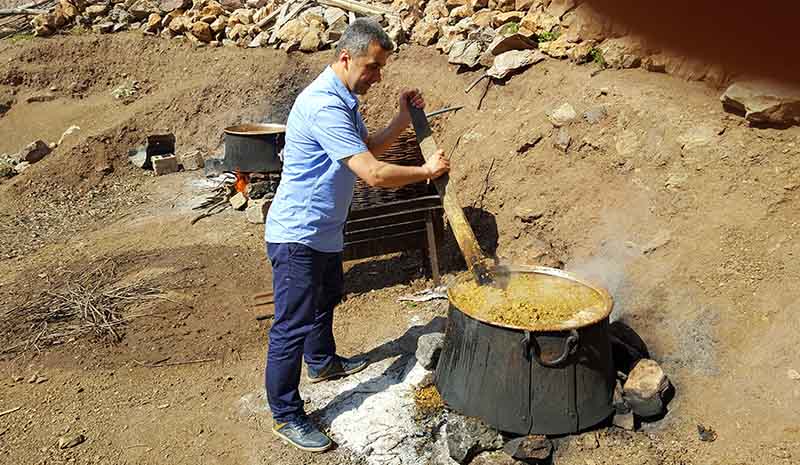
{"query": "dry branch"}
(90, 301)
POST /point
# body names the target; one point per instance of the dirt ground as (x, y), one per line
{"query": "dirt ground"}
(683, 212)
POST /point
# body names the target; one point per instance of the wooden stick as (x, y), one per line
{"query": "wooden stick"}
(21, 11)
(269, 18)
(278, 23)
(475, 82)
(187, 362)
(444, 110)
(358, 7)
(462, 230)
(285, 19)
(9, 411)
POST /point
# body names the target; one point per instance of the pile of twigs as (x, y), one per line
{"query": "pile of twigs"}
(217, 201)
(90, 301)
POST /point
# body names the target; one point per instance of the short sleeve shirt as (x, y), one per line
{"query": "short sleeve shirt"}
(316, 189)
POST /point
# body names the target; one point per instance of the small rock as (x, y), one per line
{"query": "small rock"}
(104, 27)
(65, 442)
(530, 143)
(33, 152)
(563, 139)
(595, 115)
(467, 436)
(93, 11)
(619, 403)
(41, 379)
(793, 374)
(191, 161)
(429, 346)
(764, 102)
(202, 31)
(425, 33)
(164, 164)
(70, 131)
(625, 421)
(238, 201)
(427, 381)
(646, 388)
(562, 115)
(257, 210)
(21, 166)
(18, 379)
(38, 98)
(7, 170)
(706, 434)
(661, 239)
(529, 448)
(527, 215)
(33, 379)
(587, 441)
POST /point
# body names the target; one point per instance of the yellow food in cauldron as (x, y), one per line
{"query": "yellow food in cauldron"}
(530, 300)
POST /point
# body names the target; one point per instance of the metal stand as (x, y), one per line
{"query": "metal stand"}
(399, 226)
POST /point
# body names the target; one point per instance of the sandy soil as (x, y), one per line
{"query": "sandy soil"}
(683, 212)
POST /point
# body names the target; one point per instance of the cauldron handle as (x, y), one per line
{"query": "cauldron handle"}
(570, 346)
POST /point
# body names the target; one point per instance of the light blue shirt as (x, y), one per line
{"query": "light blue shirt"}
(316, 188)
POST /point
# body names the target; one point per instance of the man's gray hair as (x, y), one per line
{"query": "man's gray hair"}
(360, 34)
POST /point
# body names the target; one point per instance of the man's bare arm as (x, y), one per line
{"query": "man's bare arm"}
(378, 173)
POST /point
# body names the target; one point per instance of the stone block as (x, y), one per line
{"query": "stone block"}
(164, 164)
(429, 347)
(257, 210)
(646, 389)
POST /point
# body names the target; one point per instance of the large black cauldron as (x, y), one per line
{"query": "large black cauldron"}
(554, 381)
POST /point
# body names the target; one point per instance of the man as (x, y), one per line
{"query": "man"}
(327, 147)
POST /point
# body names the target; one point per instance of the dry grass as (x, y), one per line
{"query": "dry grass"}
(90, 301)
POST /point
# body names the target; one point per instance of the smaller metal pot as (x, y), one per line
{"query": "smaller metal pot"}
(253, 148)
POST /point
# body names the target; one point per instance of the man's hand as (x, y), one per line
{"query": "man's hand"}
(408, 98)
(437, 165)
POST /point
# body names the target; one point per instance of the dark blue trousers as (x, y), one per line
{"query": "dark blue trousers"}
(307, 284)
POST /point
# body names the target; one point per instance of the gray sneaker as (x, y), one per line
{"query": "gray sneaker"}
(301, 433)
(339, 367)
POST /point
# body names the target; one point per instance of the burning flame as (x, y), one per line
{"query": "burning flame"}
(242, 180)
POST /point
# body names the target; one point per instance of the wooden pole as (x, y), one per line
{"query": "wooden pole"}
(477, 262)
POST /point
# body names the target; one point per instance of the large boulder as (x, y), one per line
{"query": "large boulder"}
(293, 31)
(513, 60)
(764, 102)
(622, 53)
(502, 44)
(538, 21)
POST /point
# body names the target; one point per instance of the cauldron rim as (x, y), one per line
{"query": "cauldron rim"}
(255, 129)
(600, 313)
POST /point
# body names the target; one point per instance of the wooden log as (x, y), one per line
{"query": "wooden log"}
(278, 23)
(358, 7)
(21, 11)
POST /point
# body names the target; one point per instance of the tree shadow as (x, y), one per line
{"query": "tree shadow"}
(404, 348)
